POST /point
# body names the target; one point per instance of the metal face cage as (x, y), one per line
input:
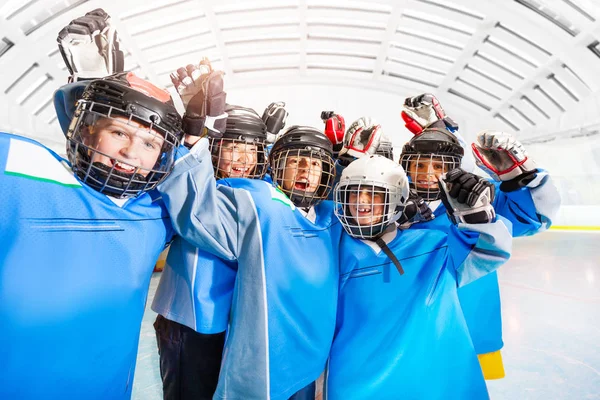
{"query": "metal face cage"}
(117, 152)
(365, 209)
(423, 171)
(238, 157)
(305, 175)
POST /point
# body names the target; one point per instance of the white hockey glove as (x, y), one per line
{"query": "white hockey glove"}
(274, 117)
(201, 91)
(90, 47)
(363, 137)
(468, 198)
(504, 158)
(425, 111)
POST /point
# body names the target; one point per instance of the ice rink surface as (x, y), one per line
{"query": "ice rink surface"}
(551, 317)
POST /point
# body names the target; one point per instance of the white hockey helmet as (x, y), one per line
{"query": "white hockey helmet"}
(370, 196)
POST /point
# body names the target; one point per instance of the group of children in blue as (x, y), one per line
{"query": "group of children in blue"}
(268, 284)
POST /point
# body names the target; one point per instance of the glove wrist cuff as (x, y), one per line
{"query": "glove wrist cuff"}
(194, 126)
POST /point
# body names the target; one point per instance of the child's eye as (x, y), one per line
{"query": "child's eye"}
(150, 145)
(119, 133)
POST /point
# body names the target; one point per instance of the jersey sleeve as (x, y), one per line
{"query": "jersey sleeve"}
(203, 213)
(531, 208)
(475, 250)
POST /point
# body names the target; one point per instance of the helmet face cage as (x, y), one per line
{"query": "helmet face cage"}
(365, 209)
(423, 171)
(305, 182)
(238, 157)
(385, 149)
(94, 152)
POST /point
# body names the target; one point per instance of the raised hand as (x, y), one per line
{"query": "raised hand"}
(201, 91)
(503, 157)
(90, 47)
(468, 197)
(363, 137)
(424, 111)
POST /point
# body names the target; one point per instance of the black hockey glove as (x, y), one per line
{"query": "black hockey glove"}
(201, 91)
(468, 197)
(415, 210)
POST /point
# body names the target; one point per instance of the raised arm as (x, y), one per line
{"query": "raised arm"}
(478, 241)
(206, 215)
(526, 195)
(203, 213)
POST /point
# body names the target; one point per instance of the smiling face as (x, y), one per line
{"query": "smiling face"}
(128, 147)
(425, 171)
(302, 173)
(366, 206)
(236, 159)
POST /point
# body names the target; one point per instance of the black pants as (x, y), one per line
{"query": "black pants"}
(306, 393)
(189, 361)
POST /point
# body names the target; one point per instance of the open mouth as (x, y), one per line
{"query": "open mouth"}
(364, 211)
(301, 184)
(122, 167)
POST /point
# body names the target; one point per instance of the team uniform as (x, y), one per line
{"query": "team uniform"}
(530, 209)
(400, 331)
(284, 300)
(71, 259)
(194, 295)
(405, 336)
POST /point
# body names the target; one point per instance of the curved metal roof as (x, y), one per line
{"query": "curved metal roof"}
(518, 64)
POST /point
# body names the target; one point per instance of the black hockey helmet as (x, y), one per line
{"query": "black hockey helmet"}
(303, 141)
(243, 128)
(433, 145)
(132, 102)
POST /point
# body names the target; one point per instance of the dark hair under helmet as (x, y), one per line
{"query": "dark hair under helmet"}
(135, 102)
(243, 126)
(303, 141)
(432, 145)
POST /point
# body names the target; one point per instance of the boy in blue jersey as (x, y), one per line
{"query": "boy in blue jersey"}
(80, 238)
(525, 195)
(284, 239)
(193, 298)
(400, 332)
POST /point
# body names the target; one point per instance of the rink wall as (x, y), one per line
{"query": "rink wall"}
(571, 217)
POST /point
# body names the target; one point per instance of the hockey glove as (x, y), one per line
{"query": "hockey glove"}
(424, 111)
(201, 91)
(90, 47)
(468, 198)
(504, 158)
(363, 137)
(415, 210)
(274, 117)
(335, 127)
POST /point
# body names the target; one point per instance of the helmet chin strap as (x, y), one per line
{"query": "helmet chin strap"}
(381, 243)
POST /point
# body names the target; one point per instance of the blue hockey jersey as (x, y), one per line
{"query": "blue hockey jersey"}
(284, 300)
(530, 210)
(404, 336)
(74, 274)
(195, 288)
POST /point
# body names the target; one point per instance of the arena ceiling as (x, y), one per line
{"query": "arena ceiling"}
(520, 63)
